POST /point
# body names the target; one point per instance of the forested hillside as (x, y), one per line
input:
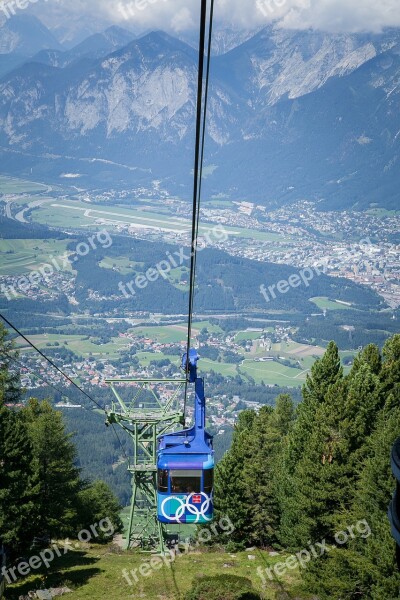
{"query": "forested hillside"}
(317, 480)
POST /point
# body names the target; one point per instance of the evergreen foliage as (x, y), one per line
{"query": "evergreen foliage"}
(16, 481)
(56, 477)
(10, 388)
(230, 487)
(98, 503)
(293, 480)
(41, 492)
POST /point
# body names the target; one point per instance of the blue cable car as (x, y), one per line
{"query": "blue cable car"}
(185, 464)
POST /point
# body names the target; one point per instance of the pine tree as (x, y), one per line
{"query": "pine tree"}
(370, 355)
(230, 489)
(390, 372)
(260, 492)
(98, 503)
(10, 386)
(55, 474)
(16, 501)
(262, 469)
(303, 454)
(324, 373)
(284, 414)
(365, 567)
(328, 469)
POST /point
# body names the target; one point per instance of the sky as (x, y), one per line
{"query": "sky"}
(183, 15)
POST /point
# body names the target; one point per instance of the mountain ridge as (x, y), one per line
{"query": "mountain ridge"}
(265, 95)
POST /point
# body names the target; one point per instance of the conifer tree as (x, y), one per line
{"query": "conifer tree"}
(328, 469)
(284, 414)
(303, 456)
(260, 492)
(230, 487)
(15, 457)
(16, 498)
(390, 372)
(261, 471)
(370, 355)
(55, 474)
(365, 567)
(98, 503)
(10, 386)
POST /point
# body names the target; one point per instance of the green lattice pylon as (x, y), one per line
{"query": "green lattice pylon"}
(144, 417)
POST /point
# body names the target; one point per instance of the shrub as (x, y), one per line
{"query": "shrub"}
(222, 587)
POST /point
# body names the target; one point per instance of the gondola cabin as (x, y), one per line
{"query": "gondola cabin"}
(185, 466)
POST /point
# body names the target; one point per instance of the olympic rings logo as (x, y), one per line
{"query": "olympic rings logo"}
(184, 504)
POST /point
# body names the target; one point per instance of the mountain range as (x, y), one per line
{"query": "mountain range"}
(292, 114)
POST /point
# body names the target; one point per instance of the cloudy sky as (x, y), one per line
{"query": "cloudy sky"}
(182, 15)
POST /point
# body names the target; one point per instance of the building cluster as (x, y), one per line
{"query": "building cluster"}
(94, 371)
(356, 246)
(45, 289)
(360, 246)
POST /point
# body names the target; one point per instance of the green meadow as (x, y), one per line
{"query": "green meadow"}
(22, 256)
(94, 572)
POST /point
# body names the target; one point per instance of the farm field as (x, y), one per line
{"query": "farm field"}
(251, 335)
(22, 256)
(300, 356)
(171, 334)
(225, 369)
(77, 343)
(9, 185)
(121, 264)
(198, 325)
(145, 358)
(324, 303)
(273, 373)
(205, 365)
(270, 372)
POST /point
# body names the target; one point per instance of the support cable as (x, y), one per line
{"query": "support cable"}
(201, 117)
(46, 358)
(40, 377)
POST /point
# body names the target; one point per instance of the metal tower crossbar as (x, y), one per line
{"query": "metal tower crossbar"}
(145, 416)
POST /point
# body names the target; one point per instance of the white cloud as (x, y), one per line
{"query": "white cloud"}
(345, 15)
(182, 20)
(179, 15)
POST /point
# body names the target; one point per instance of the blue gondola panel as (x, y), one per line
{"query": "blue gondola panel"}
(185, 466)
